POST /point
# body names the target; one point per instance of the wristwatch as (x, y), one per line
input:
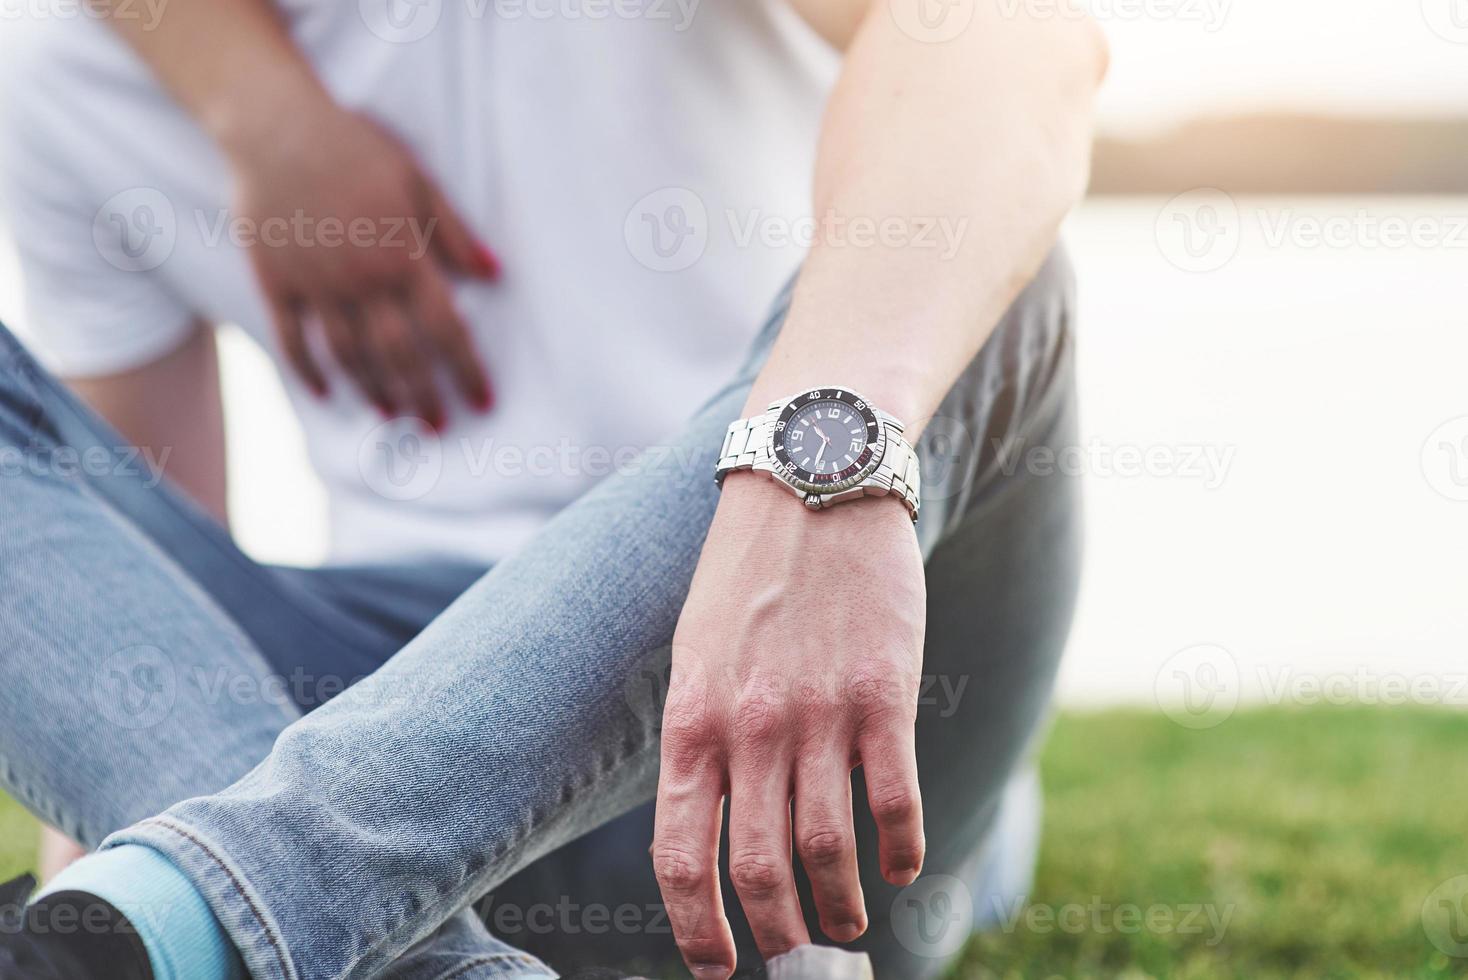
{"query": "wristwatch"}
(828, 446)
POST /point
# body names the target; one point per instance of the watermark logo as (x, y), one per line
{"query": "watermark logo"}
(1199, 230)
(646, 687)
(947, 449)
(136, 229)
(667, 230)
(400, 21)
(932, 21)
(934, 916)
(1445, 459)
(135, 688)
(1445, 916)
(1448, 19)
(1198, 687)
(401, 459)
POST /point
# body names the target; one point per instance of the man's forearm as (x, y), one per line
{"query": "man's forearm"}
(943, 174)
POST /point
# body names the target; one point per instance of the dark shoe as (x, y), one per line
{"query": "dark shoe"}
(66, 936)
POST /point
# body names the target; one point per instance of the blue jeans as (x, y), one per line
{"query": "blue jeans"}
(501, 745)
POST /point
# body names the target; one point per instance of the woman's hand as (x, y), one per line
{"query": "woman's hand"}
(351, 238)
(798, 657)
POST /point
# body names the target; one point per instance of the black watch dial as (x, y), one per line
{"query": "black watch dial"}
(827, 438)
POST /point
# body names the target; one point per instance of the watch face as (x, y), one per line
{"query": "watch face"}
(827, 439)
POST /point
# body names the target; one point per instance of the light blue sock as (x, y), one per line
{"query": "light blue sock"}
(184, 939)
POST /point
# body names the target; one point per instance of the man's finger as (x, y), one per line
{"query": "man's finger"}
(395, 347)
(760, 783)
(445, 331)
(685, 849)
(889, 763)
(826, 842)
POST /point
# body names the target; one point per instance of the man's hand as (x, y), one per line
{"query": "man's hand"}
(353, 239)
(798, 657)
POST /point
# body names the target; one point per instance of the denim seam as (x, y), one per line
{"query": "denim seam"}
(276, 942)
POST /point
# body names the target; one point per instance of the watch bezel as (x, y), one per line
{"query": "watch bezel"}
(825, 484)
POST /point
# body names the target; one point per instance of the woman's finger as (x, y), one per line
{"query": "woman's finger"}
(395, 347)
(454, 242)
(445, 331)
(292, 335)
(342, 324)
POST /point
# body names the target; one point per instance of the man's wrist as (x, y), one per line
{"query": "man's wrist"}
(752, 495)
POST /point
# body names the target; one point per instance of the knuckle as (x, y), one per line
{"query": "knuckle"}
(894, 806)
(677, 870)
(689, 729)
(875, 693)
(756, 873)
(824, 847)
(759, 717)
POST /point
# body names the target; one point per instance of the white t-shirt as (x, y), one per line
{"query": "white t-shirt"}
(642, 167)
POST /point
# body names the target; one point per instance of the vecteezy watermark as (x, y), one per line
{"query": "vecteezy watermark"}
(90, 918)
(667, 230)
(1198, 231)
(1198, 687)
(38, 459)
(1201, 686)
(1206, 464)
(1284, 684)
(670, 229)
(406, 21)
(148, 12)
(1100, 917)
(402, 459)
(932, 21)
(934, 916)
(135, 688)
(301, 230)
(1203, 230)
(646, 688)
(136, 229)
(1445, 459)
(1445, 916)
(1448, 19)
(567, 917)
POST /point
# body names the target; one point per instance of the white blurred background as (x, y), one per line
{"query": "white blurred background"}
(1285, 371)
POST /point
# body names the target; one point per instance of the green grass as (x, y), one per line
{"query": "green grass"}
(1318, 832)
(1322, 830)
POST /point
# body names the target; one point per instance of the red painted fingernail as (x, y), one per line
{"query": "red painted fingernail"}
(486, 263)
(484, 400)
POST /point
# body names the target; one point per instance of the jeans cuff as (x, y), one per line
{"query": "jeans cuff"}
(235, 904)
